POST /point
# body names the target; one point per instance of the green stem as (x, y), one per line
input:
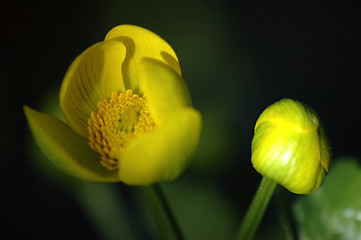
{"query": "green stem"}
(255, 212)
(162, 213)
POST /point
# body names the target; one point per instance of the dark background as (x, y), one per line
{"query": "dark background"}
(237, 58)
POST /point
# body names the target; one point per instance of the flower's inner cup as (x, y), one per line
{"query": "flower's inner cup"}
(118, 121)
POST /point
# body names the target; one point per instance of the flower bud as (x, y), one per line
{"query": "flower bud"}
(290, 146)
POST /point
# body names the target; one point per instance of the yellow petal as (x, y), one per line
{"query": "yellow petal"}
(164, 88)
(92, 77)
(69, 151)
(142, 43)
(162, 155)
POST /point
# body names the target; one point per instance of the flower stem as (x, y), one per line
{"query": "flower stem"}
(162, 213)
(255, 212)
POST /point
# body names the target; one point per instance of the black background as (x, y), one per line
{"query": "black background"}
(236, 58)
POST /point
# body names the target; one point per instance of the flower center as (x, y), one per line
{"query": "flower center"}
(118, 121)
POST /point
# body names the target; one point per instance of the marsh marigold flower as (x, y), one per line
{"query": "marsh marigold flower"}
(290, 146)
(128, 111)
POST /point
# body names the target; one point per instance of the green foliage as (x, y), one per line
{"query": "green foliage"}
(334, 212)
(201, 209)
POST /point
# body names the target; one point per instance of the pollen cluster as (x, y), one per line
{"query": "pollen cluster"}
(118, 121)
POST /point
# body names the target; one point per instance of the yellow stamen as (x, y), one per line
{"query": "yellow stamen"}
(118, 121)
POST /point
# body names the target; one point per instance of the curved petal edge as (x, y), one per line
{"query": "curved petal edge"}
(68, 150)
(163, 154)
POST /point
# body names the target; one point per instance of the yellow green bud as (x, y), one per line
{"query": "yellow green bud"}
(290, 146)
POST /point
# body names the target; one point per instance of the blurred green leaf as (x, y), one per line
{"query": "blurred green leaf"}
(334, 212)
(201, 210)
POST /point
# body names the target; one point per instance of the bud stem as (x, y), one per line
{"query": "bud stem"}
(255, 212)
(162, 213)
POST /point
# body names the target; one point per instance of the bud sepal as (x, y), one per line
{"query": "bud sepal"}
(290, 146)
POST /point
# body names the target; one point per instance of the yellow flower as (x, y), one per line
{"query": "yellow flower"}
(128, 111)
(291, 147)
